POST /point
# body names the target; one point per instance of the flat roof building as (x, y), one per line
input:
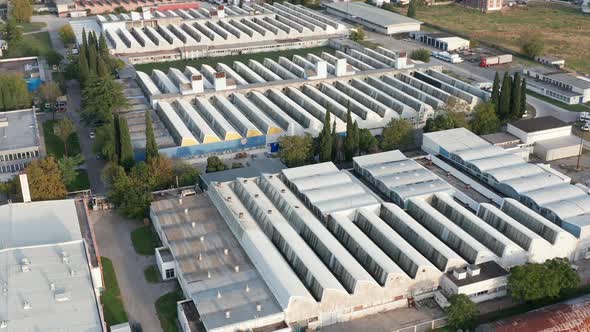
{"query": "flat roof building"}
(481, 282)
(19, 141)
(441, 40)
(373, 18)
(558, 84)
(45, 277)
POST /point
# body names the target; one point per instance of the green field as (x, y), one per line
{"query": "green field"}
(166, 309)
(566, 30)
(114, 311)
(148, 67)
(36, 44)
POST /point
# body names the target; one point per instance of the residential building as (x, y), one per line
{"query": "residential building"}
(482, 5)
(441, 40)
(373, 18)
(557, 84)
(19, 142)
(45, 275)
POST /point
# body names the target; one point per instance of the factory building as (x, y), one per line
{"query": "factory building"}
(373, 18)
(46, 281)
(189, 33)
(442, 41)
(237, 106)
(538, 187)
(558, 84)
(19, 142)
(314, 245)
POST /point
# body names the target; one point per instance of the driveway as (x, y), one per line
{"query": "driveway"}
(113, 237)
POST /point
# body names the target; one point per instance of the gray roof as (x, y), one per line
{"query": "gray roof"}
(255, 168)
(489, 270)
(57, 283)
(539, 124)
(371, 14)
(208, 270)
(21, 131)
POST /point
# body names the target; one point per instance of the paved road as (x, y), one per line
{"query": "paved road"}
(92, 165)
(114, 241)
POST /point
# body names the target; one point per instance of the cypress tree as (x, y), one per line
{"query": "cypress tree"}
(103, 49)
(334, 142)
(355, 139)
(84, 45)
(496, 91)
(412, 9)
(326, 140)
(117, 133)
(349, 141)
(522, 107)
(515, 100)
(83, 66)
(151, 147)
(101, 68)
(92, 58)
(126, 159)
(504, 104)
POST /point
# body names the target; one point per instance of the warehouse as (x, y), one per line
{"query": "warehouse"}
(229, 107)
(539, 187)
(302, 251)
(558, 84)
(45, 277)
(442, 41)
(175, 34)
(373, 18)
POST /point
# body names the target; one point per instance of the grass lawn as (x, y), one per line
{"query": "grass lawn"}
(166, 309)
(32, 26)
(114, 311)
(54, 144)
(145, 240)
(212, 61)
(82, 182)
(566, 30)
(32, 45)
(573, 108)
(151, 273)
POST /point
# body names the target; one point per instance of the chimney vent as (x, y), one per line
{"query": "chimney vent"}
(247, 288)
(186, 211)
(237, 268)
(283, 190)
(202, 238)
(180, 201)
(226, 251)
(218, 294)
(241, 215)
(193, 224)
(208, 274)
(27, 305)
(227, 315)
(259, 307)
(200, 256)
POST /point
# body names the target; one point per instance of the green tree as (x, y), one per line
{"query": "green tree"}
(397, 134)
(505, 98)
(523, 101)
(84, 46)
(131, 193)
(515, 100)
(335, 142)
(92, 57)
(484, 120)
(67, 167)
(412, 9)
(110, 172)
(186, 174)
(420, 54)
(105, 143)
(126, 158)
(49, 92)
(358, 34)
(102, 69)
(161, 173)
(214, 164)
(83, 70)
(355, 139)
(63, 129)
(439, 122)
(367, 142)
(101, 97)
(326, 142)
(14, 33)
(532, 44)
(461, 311)
(349, 140)
(67, 35)
(45, 182)
(296, 150)
(496, 91)
(13, 92)
(534, 281)
(151, 147)
(22, 10)
(103, 49)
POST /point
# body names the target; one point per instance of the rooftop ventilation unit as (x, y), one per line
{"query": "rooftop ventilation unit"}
(460, 273)
(61, 296)
(65, 257)
(73, 272)
(473, 270)
(259, 307)
(27, 305)
(227, 315)
(3, 324)
(25, 265)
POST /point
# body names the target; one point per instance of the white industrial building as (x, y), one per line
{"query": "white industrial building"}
(263, 100)
(226, 30)
(373, 18)
(313, 245)
(46, 282)
(558, 84)
(537, 186)
(441, 40)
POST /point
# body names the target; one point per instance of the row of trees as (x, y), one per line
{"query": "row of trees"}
(21, 10)
(13, 92)
(509, 97)
(94, 59)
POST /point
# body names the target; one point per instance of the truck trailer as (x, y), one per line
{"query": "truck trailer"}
(495, 60)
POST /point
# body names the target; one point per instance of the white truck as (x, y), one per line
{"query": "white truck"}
(448, 57)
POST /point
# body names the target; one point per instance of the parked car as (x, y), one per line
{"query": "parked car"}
(91, 135)
(586, 127)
